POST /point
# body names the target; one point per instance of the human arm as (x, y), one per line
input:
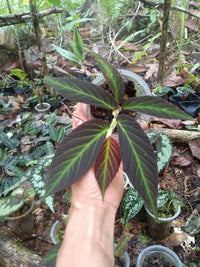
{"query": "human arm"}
(89, 234)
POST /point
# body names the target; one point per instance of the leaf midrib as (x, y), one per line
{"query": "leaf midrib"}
(63, 172)
(138, 161)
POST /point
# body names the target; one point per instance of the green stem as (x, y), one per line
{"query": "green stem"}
(113, 123)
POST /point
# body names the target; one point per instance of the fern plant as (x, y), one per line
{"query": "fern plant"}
(92, 142)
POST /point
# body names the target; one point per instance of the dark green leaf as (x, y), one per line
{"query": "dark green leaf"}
(53, 133)
(78, 46)
(132, 204)
(61, 134)
(107, 163)
(51, 118)
(82, 91)
(50, 259)
(8, 142)
(112, 77)
(76, 154)
(138, 160)
(155, 106)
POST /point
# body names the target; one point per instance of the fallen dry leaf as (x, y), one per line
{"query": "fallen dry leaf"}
(137, 68)
(195, 147)
(174, 81)
(175, 239)
(181, 160)
(151, 74)
(172, 123)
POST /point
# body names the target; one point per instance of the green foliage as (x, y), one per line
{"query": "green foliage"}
(163, 147)
(50, 259)
(80, 149)
(15, 200)
(115, 8)
(20, 75)
(77, 57)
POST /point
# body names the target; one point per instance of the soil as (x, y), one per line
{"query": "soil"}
(157, 262)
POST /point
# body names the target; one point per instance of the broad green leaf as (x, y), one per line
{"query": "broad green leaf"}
(138, 160)
(50, 259)
(78, 46)
(155, 106)
(82, 91)
(61, 134)
(112, 77)
(53, 131)
(51, 118)
(164, 148)
(66, 54)
(107, 163)
(76, 154)
(163, 197)
(132, 204)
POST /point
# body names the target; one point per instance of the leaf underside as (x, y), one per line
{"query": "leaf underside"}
(76, 154)
(138, 160)
(155, 106)
(112, 77)
(82, 91)
(107, 163)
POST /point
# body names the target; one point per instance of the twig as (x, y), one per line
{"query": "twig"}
(19, 18)
(160, 4)
(70, 113)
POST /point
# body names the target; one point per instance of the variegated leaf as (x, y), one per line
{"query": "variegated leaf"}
(132, 204)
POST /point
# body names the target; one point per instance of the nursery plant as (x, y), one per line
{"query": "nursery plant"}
(92, 141)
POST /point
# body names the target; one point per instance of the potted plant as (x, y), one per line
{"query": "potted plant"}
(169, 208)
(16, 208)
(58, 229)
(92, 142)
(158, 256)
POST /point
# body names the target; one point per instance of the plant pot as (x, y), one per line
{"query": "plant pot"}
(126, 180)
(124, 259)
(42, 107)
(140, 84)
(159, 229)
(57, 230)
(157, 256)
(22, 225)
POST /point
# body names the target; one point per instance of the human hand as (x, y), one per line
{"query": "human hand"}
(87, 188)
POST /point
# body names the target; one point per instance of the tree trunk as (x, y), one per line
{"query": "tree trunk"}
(167, 5)
(36, 26)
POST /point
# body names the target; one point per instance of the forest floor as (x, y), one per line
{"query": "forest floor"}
(182, 174)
